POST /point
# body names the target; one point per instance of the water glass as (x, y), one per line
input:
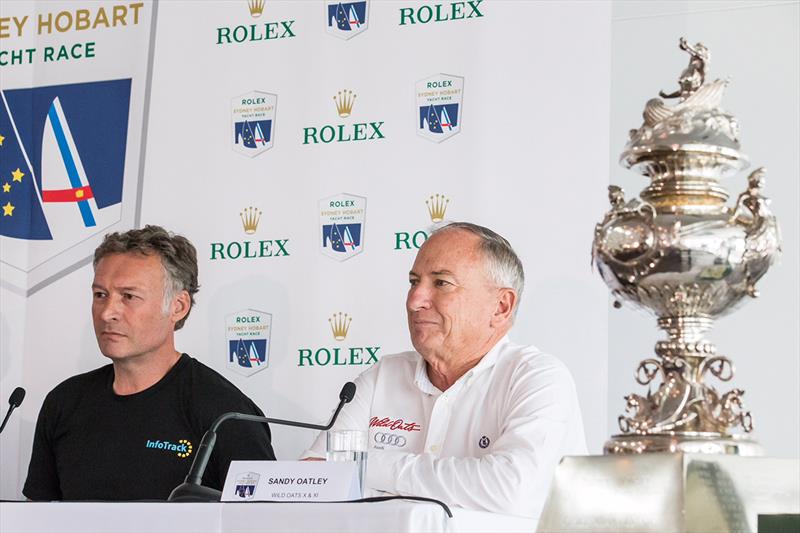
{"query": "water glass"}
(349, 445)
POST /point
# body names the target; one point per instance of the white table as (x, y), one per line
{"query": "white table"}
(96, 517)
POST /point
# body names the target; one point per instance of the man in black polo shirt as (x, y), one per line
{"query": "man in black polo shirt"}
(129, 430)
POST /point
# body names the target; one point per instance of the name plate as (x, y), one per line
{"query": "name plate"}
(291, 481)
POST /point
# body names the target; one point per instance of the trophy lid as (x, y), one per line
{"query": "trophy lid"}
(695, 131)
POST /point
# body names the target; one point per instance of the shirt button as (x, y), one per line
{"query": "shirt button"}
(434, 448)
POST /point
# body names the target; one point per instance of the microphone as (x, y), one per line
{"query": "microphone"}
(15, 400)
(192, 490)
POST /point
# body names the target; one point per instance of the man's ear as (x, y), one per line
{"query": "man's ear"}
(504, 310)
(180, 306)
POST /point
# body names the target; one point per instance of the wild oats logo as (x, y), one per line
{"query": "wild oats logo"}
(183, 448)
(338, 355)
(267, 31)
(346, 19)
(344, 102)
(437, 209)
(247, 334)
(250, 218)
(440, 12)
(62, 22)
(256, 7)
(342, 221)
(253, 122)
(439, 106)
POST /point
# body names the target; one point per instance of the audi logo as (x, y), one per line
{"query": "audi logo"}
(390, 439)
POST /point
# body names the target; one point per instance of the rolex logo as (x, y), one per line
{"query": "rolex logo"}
(340, 325)
(437, 206)
(256, 7)
(344, 102)
(250, 219)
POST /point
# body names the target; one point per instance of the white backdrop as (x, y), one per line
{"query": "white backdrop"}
(530, 161)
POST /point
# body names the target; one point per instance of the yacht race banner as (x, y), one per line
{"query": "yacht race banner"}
(74, 81)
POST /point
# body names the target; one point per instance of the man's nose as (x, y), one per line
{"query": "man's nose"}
(418, 297)
(109, 309)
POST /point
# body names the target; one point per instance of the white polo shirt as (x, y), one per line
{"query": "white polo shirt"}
(489, 442)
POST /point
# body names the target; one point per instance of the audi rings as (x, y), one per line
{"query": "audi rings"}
(390, 439)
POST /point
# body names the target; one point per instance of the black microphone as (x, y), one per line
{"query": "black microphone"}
(15, 400)
(192, 490)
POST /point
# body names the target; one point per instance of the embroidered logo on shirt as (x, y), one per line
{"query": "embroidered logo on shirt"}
(390, 439)
(183, 448)
(484, 442)
(399, 423)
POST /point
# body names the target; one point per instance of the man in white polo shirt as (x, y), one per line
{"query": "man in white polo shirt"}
(469, 418)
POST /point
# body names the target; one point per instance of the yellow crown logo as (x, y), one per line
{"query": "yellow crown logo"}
(250, 219)
(437, 206)
(256, 7)
(344, 102)
(340, 325)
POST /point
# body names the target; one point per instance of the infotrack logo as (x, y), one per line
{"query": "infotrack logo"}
(62, 174)
(253, 122)
(346, 19)
(439, 106)
(342, 222)
(339, 324)
(248, 341)
(344, 102)
(235, 250)
(183, 448)
(437, 210)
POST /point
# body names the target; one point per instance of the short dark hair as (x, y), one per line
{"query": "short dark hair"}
(178, 258)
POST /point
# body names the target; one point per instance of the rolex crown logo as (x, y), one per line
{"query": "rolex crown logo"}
(344, 102)
(340, 325)
(437, 207)
(256, 7)
(250, 219)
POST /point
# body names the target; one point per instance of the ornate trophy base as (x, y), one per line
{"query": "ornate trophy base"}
(668, 492)
(697, 442)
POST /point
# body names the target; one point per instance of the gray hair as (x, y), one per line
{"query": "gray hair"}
(178, 259)
(502, 263)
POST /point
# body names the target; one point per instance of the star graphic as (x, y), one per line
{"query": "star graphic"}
(6, 187)
(1, 140)
(8, 210)
(17, 175)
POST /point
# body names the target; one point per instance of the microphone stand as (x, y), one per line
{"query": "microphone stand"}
(192, 489)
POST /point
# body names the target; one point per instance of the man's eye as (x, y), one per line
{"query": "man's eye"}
(442, 283)
(98, 294)
(413, 282)
(128, 296)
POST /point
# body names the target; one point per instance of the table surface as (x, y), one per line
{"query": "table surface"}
(129, 517)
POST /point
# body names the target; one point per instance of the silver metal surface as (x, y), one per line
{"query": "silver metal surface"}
(681, 253)
(669, 492)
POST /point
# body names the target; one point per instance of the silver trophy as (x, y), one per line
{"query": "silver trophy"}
(680, 252)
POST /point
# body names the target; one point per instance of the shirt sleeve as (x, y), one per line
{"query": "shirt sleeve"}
(354, 415)
(42, 483)
(513, 478)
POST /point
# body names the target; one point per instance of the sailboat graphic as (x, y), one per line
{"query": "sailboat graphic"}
(68, 200)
